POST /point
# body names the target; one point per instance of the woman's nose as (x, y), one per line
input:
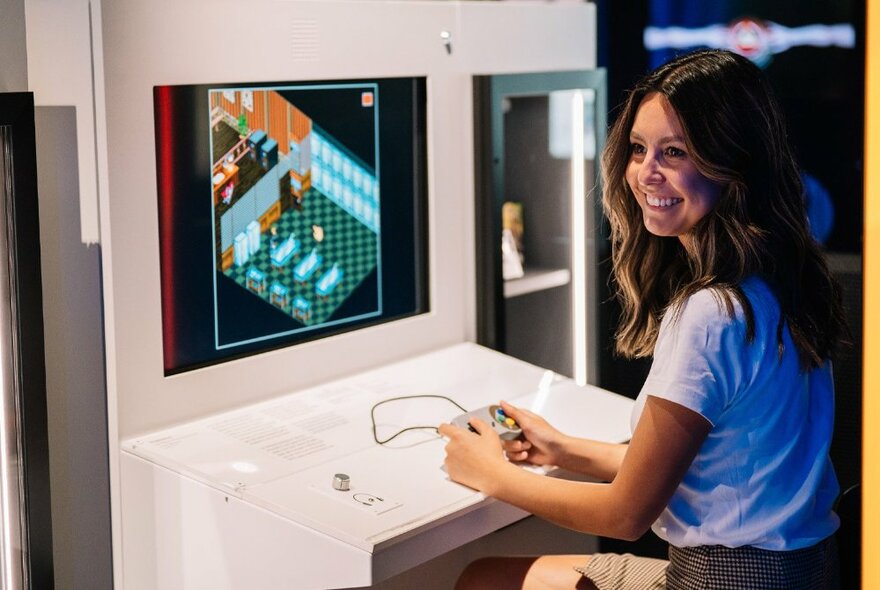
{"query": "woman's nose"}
(649, 172)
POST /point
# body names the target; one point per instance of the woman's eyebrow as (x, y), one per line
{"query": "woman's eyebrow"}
(665, 139)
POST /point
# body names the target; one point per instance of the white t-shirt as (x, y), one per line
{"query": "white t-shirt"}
(763, 476)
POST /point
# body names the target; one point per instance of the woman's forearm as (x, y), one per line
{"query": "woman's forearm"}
(593, 508)
(599, 460)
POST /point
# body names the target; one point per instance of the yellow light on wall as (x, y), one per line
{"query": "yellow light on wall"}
(871, 348)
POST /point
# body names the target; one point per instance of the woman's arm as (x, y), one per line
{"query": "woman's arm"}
(599, 460)
(665, 442)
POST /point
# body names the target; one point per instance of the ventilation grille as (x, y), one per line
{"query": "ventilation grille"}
(304, 40)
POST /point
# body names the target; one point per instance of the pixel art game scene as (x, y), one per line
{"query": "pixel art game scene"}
(288, 212)
(296, 211)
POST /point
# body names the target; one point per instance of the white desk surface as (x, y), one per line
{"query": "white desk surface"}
(281, 455)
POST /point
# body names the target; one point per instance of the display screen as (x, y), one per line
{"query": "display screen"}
(287, 212)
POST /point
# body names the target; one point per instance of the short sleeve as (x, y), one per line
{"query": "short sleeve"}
(698, 359)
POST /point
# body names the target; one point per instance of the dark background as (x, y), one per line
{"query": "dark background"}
(822, 93)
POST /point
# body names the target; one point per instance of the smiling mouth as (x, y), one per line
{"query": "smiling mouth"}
(657, 202)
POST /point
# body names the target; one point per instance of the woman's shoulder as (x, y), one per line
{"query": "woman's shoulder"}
(717, 306)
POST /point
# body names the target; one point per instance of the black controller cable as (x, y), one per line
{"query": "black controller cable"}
(406, 397)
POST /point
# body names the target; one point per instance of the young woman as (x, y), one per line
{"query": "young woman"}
(720, 281)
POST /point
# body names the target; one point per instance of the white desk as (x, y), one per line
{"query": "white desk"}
(244, 499)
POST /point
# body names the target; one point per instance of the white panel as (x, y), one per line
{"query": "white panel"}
(59, 53)
(183, 535)
(149, 49)
(169, 50)
(527, 37)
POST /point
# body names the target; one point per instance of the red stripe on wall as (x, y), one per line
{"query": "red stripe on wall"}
(165, 157)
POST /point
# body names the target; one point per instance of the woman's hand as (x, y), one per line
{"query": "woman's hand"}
(473, 459)
(542, 444)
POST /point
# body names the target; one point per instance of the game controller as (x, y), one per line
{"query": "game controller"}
(505, 426)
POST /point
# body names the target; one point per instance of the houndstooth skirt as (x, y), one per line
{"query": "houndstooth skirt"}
(716, 567)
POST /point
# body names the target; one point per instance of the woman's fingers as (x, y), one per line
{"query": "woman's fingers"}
(517, 450)
(517, 445)
(517, 413)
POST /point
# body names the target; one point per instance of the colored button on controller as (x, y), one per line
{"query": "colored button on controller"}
(504, 425)
(508, 424)
(503, 418)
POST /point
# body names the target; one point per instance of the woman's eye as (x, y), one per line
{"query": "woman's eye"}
(674, 152)
(637, 148)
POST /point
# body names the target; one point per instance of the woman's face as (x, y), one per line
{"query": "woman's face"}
(672, 193)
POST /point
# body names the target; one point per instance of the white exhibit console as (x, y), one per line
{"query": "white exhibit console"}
(246, 498)
(287, 214)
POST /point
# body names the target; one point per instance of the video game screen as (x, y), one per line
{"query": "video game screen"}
(287, 212)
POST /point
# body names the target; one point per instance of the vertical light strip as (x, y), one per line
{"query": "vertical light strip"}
(871, 293)
(6, 540)
(578, 238)
(543, 392)
(10, 543)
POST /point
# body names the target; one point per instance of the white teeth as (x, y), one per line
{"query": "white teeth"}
(657, 202)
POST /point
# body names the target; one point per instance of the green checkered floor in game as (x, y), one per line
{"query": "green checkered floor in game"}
(347, 242)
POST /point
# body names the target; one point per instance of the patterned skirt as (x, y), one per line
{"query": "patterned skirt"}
(723, 568)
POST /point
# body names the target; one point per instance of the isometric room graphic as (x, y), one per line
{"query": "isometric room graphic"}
(296, 213)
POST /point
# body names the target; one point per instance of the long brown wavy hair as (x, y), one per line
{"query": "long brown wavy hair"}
(736, 136)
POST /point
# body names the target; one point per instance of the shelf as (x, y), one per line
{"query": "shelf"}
(536, 279)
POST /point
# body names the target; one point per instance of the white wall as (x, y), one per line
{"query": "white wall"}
(76, 395)
(74, 354)
(13, 47)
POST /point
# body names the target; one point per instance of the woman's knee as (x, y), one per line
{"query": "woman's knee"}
(495, 572)
(549, 571)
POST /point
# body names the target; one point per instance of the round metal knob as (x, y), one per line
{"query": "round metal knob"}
(341, 482)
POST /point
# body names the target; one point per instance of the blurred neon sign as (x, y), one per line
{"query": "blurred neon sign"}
(751, 37)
